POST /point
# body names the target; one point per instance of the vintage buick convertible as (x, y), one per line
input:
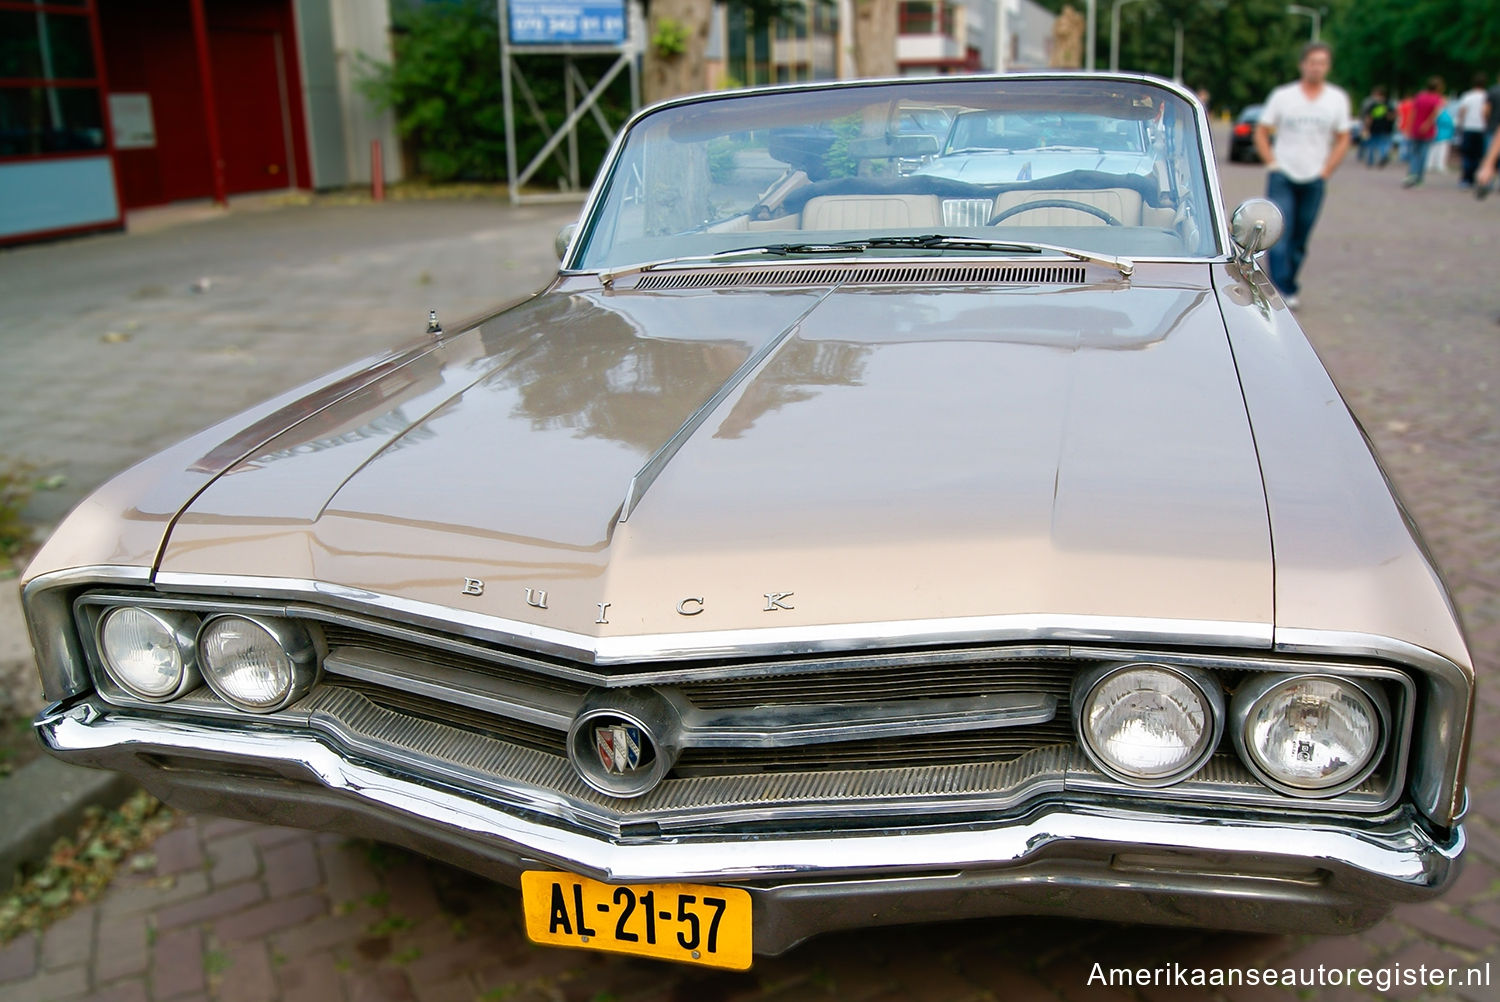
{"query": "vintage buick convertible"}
(831, 544)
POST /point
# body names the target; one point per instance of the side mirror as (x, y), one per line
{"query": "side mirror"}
(565, 237)
(1255, 225)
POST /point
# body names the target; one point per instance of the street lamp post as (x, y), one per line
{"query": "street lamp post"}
(1316, 15)
(1114, 34)
(1177, 53)
(1093, 35)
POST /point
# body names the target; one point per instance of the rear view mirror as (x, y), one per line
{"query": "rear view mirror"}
(1255, 225)
(563, 239)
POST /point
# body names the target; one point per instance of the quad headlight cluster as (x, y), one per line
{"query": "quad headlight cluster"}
(257, 663)
(1307, 735)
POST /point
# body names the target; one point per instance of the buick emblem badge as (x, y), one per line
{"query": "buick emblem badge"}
(623, 743)
(619, 747)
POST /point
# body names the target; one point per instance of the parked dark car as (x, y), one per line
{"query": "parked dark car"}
(1242, 138)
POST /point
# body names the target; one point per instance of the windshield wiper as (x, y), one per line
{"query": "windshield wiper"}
(928, 241)
(608, 275)
(940, 241)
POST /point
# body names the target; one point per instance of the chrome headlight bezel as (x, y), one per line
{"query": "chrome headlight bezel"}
(295, 642)
(1208, 690)
(180, 625)
(1255, 690)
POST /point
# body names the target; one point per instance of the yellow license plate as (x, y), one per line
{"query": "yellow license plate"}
(689, 923)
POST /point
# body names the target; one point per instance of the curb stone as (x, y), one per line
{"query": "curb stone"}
(45, 800)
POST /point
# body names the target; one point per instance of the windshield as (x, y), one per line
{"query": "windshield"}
(1104, 165)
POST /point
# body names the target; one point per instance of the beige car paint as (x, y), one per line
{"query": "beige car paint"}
(906, 454)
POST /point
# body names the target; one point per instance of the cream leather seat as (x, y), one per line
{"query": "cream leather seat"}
(866, 212)
(1122, 203)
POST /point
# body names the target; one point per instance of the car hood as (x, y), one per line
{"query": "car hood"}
(1001, 167)
(879, 464)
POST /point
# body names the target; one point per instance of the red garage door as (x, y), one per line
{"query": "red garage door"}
(250, 93)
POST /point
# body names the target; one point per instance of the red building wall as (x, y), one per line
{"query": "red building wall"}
(149, 47)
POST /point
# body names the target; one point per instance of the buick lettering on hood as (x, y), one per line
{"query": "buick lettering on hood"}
(844, 537)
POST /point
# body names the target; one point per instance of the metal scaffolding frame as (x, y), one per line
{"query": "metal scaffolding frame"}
(562, 141)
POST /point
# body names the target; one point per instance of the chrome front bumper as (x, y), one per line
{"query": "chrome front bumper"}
(1137, 863)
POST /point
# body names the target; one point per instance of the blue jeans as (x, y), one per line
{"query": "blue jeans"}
(1416, 158)
(1299, 203)
(1471, 149)
(1376, 150)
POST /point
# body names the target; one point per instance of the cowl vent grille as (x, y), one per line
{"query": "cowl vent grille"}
(1031, 274)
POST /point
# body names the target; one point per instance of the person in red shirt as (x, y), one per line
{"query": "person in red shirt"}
(1422, 129)
(1403, 128)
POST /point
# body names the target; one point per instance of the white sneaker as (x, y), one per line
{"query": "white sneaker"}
(1293, 302)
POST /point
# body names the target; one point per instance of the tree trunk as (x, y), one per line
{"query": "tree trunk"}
(875, 38)
(676, 38)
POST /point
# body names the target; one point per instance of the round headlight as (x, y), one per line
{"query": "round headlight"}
(260, 664)
(1309, 735)
(1148, 724)
(149, 652)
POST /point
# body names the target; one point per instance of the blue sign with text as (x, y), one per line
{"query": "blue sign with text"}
(567, 22)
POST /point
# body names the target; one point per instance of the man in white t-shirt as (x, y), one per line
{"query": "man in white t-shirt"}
(1310, 119)
(1470, 119)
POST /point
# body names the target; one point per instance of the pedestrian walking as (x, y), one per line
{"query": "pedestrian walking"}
(1442, 143)
(1379, 116)
(1422, 126)
(1403, 127)
(1471, 117)
(1311, 120)
(1484, 177)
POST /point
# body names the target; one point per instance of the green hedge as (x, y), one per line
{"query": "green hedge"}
(444, 87)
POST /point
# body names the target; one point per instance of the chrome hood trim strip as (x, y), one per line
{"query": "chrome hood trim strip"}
(842, 637)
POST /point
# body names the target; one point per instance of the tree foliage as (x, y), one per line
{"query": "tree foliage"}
(1239, 49)
(1235, 49)
(1400, 43)
(444, 86)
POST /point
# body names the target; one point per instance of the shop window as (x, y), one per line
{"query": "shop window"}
(36, 120)
(37, 46)
(50, 100)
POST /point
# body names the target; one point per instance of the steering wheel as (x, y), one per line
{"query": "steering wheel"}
(1055, 203)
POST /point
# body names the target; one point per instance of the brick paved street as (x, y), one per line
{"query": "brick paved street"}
(1400, 301)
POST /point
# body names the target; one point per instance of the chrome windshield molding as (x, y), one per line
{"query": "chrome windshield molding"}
(1437, 771)
(646, 476)
(1406, 861)
(973, 256)
(48, 603)
(840, 637)
(1218, 223)
(927, 261)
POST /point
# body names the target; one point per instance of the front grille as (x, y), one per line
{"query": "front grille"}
(440, 711)
(887, 683)
(481, 661)
(493, 718)
(999, 745)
